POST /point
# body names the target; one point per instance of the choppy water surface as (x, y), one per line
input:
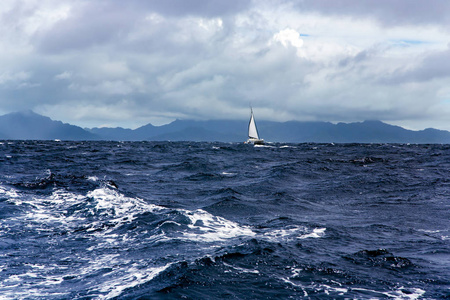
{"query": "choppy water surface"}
(149, 220)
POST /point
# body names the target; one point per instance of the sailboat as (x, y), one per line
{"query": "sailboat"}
(253, 136)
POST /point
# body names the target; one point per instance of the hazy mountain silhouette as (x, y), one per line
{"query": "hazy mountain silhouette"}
(360, 132)
(180, 130)
(29, 125)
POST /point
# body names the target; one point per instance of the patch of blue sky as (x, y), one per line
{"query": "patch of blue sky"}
(408, 43)
(414, 42)
(304, 34)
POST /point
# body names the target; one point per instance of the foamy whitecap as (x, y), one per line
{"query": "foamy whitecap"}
(406, 293)
(262, 146)
(209, 228)
(280, 234)
(110, 201)
(316, 233)
(296, 284)
(341, 291)
(229, 174)
(241, 270)
(436, 233)
(400, 294)
(64, 211)
(10, 194)
(129, 278)
(293, 232)
(92, 178)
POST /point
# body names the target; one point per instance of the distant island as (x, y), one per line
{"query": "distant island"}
(28, 125)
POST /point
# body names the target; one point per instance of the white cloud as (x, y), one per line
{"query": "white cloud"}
(63, 75)
(288, 37)
(14, 78)
(135, 62)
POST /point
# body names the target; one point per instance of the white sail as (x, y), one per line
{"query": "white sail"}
(252, 131)
(253, 136)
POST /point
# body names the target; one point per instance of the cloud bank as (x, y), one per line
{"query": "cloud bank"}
(128, 63)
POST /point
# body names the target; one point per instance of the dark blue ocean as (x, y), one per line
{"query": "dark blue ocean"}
(163, 220)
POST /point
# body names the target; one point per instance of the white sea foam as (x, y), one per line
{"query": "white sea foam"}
(48, 212)
(229, 174)
(289, 281)
(203, 226)
(67, 212)
(108, 203)
(436, 233)
(10, 194)
(339, 290)
(242, 270)
(111, 202)
(129, 278)
(206, 227)
(294, 232)
(263, 146)
(399, 294)
(93, 178)
(114, 282)
(411, 294)
(20, 286)
(281, 234)
(316, 233)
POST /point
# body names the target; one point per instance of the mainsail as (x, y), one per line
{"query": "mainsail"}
(252, 131)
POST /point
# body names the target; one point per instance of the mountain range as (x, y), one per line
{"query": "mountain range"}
(27, 125)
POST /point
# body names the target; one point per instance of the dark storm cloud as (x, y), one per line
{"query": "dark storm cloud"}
(100, 22)
(89, 25)
(433, 66)
(204, 8)
(387, 12)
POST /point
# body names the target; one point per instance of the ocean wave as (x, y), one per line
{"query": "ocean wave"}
(106, 220)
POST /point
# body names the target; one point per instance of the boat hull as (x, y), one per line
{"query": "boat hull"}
(255, 141)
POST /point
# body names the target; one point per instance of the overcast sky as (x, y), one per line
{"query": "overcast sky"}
(129, 63)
